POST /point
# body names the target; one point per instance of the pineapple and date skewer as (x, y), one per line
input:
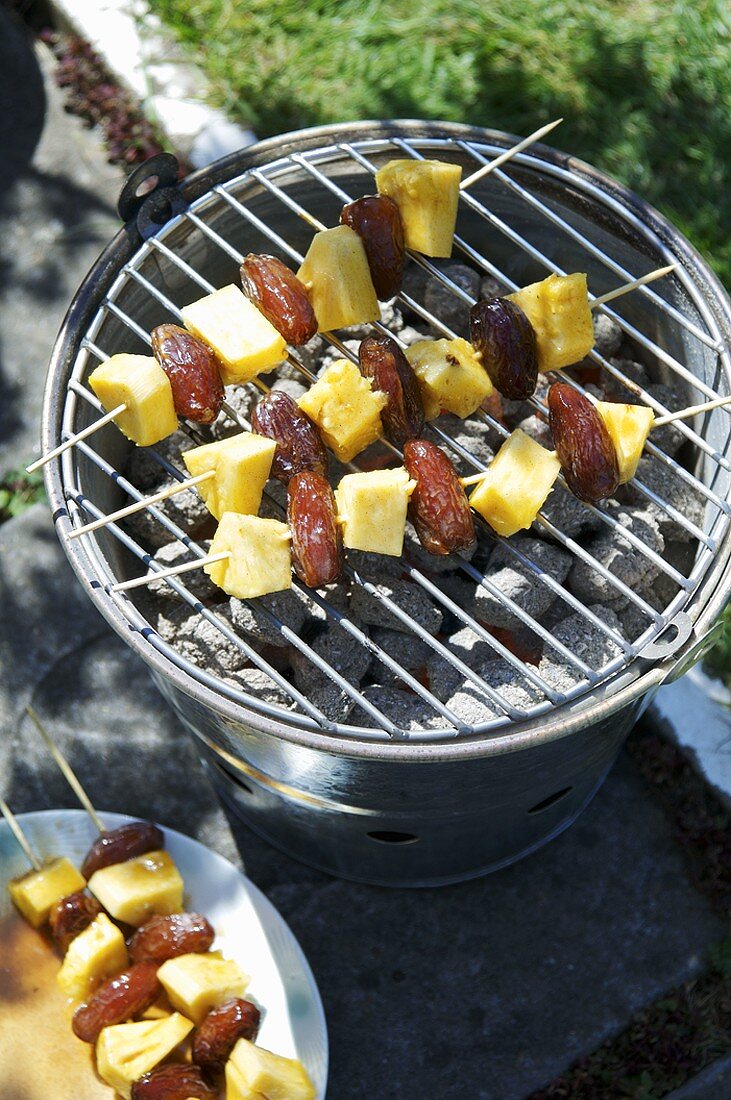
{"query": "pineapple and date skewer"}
(168, 953)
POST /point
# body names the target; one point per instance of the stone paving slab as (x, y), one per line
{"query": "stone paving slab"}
(57, 212)
(485, 990)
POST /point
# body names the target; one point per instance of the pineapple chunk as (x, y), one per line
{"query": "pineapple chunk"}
(140, 383)
(197, 983)
(36, 893)
(450, 378)
(345, 408)
(139, 888)
(241, 465)
(260, 556)
(253, 1073)
(629, 427)
(125, 1051)
(558, 309)
(95, 954)
(338, 279)
(242, 338)
(426, 193)
(372, 508)
(516, 485)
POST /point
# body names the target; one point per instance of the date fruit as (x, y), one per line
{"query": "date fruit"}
(299, 444)
(506, 340)
(216, 1037)
(317, 542)
(193, 370)
(70, 916)
(163, 938)
(280, 296)
(377, 221)
(117, 1000)
(583, 444)
(382, 360)
(438, 507)
(173, 1082)
(122, 844)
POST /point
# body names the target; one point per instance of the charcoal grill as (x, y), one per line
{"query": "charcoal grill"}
(366, 798)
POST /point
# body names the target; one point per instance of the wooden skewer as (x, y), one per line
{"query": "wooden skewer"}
(139, 505)
(19, 835)
(487, 168)
(620, 290)
(692, 410)
(67, 770)
(173, 571)
(73, 439)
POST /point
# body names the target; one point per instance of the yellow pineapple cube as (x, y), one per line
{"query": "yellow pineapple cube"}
(427, 195)
(242, 338)
(140, 383)
(125, 1051)
(558, 308)
(338, 280)
(97, 953)
(629, 427)
(260, 560)
(253, 1073)
(197, 983)
(139, 888)
(241, 466)
(451, 379)
(372, 509)
(345, 408)
(36, 893)
(516, 485)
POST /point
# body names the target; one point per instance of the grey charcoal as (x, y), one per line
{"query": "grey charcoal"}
(346, 656)
(537, 429)
(253, 618)
(408, 651)
(445, 304)
(309, 355)
(474, 435)
(568, 514)
(517, 582)
(620, 557)
(171, 618)
(241, 399)
(415, 282)
(185, 509)
(670, 438)
(143, 469)
(406, 710)
(584, 640)
(425, 562)
(293, 387)
(472, 706)
(333, 354)
(261, 687)
(391, 318)
(672, 489)
(636, 372)
(481, 658)
(490, 287)
(336, 596)
(410, 336)
(408, 597)
(375, 567)
(607, 335)
(203, 644)
(197, 582)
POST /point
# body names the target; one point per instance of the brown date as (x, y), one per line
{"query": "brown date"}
(121, 844)
(163, 938)
(299, 445)
(193, 370)
(173, 1082)
(70, 916)
(216, 1037)
(317, 544)
(506, 340)
(583, 444)
(382, 360)
(280, 296)
(438, 507)
(116, 1000)
(377, 221)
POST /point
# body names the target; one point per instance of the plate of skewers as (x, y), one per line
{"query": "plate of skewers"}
(139, 963)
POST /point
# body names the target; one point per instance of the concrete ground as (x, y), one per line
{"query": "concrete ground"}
(486, 990)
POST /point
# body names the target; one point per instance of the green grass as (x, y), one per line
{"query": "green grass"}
(18, 491)
(644, 87)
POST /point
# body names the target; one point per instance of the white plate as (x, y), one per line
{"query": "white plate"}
(248, 927)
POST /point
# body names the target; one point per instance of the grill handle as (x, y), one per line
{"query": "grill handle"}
(679, 635)
(150, 196)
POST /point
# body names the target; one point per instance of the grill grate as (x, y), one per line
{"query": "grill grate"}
(171, 269)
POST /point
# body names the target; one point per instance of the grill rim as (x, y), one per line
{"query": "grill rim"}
(564, 719)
